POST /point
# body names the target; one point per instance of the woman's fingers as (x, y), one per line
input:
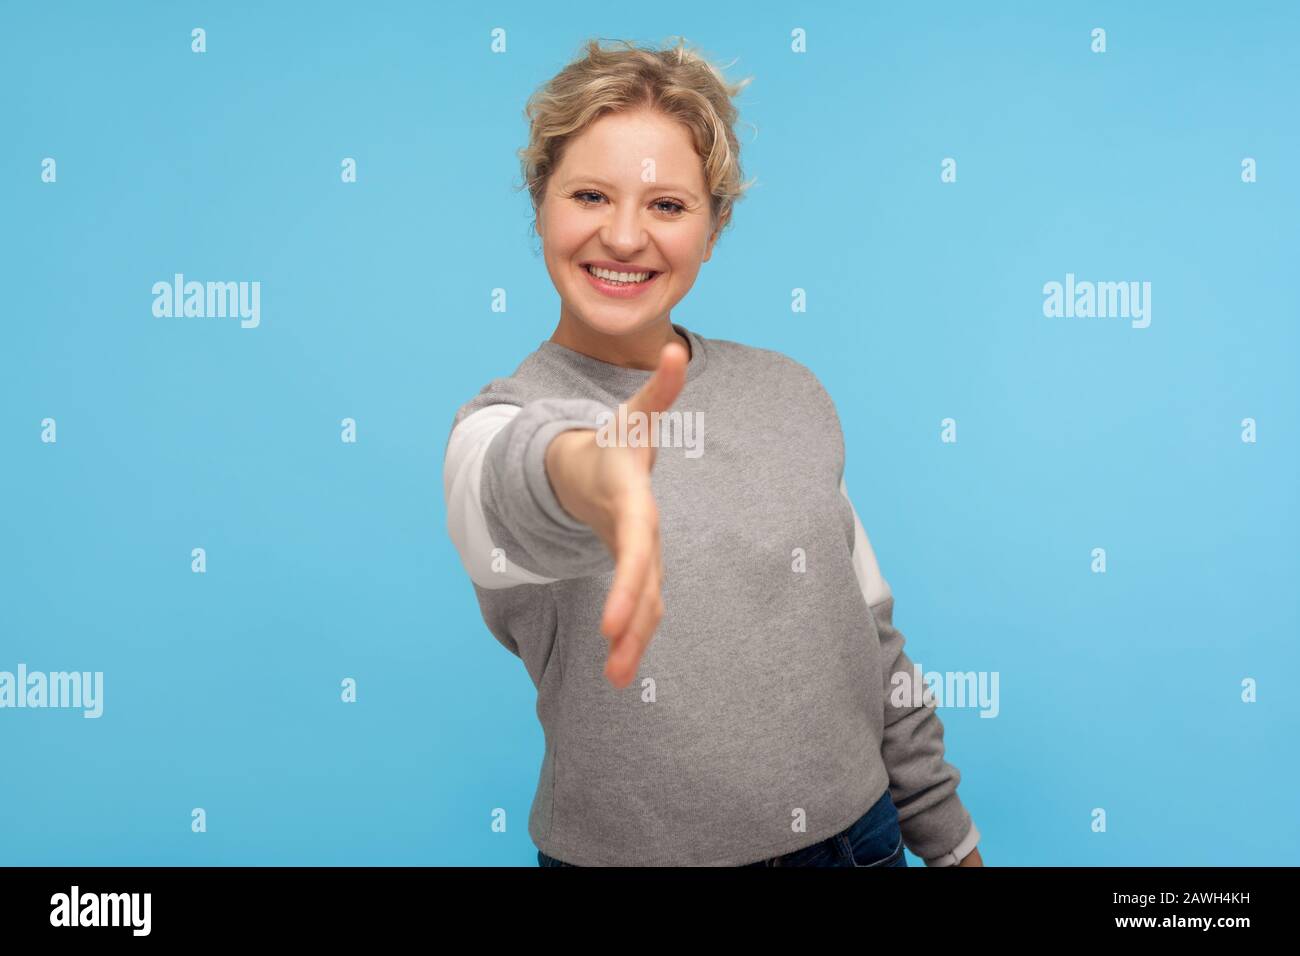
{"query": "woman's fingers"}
(626, 652)
(636, 549)
(635, 603)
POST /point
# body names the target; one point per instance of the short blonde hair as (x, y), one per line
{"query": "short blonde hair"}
(675, 81)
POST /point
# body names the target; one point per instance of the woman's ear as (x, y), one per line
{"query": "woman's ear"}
(717, 231)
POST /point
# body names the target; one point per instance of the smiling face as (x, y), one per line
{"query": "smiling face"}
(598, 209)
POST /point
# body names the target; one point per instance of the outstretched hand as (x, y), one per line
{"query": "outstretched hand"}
(608, 488)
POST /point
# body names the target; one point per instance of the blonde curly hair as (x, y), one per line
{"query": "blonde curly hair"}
(675, 80)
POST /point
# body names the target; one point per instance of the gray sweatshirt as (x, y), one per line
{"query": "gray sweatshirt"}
(760, 721)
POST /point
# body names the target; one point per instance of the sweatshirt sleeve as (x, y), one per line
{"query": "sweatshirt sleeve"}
(502, 513)
(936, 825)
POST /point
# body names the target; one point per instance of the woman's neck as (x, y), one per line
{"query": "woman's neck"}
(638, 349)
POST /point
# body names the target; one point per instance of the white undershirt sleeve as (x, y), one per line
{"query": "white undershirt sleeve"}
(462, 481)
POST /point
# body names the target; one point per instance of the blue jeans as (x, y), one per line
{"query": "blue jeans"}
(874, 839)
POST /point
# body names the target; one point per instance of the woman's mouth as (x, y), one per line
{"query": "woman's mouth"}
(619, 285)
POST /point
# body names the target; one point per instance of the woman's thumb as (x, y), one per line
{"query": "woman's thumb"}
(662, 388)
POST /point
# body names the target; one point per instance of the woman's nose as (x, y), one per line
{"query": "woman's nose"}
(624, 231)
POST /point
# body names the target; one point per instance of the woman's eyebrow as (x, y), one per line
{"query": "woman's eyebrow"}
(649, 187)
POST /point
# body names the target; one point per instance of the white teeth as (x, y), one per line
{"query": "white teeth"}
(619, 276)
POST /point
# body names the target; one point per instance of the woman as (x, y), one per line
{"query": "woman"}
(633, 478)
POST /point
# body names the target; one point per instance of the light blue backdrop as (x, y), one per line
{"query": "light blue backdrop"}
(328, 560)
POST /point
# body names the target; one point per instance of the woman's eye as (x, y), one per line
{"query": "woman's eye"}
(674, 208)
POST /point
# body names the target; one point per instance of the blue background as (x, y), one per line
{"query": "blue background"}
(329, 560)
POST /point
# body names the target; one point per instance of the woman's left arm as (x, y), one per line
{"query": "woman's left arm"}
(936, 825)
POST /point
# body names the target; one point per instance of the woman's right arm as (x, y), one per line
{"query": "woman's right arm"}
(532, 484)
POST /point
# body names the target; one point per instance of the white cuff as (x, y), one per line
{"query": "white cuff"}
(960, 851)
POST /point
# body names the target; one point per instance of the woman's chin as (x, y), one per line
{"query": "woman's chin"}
(615, 322)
